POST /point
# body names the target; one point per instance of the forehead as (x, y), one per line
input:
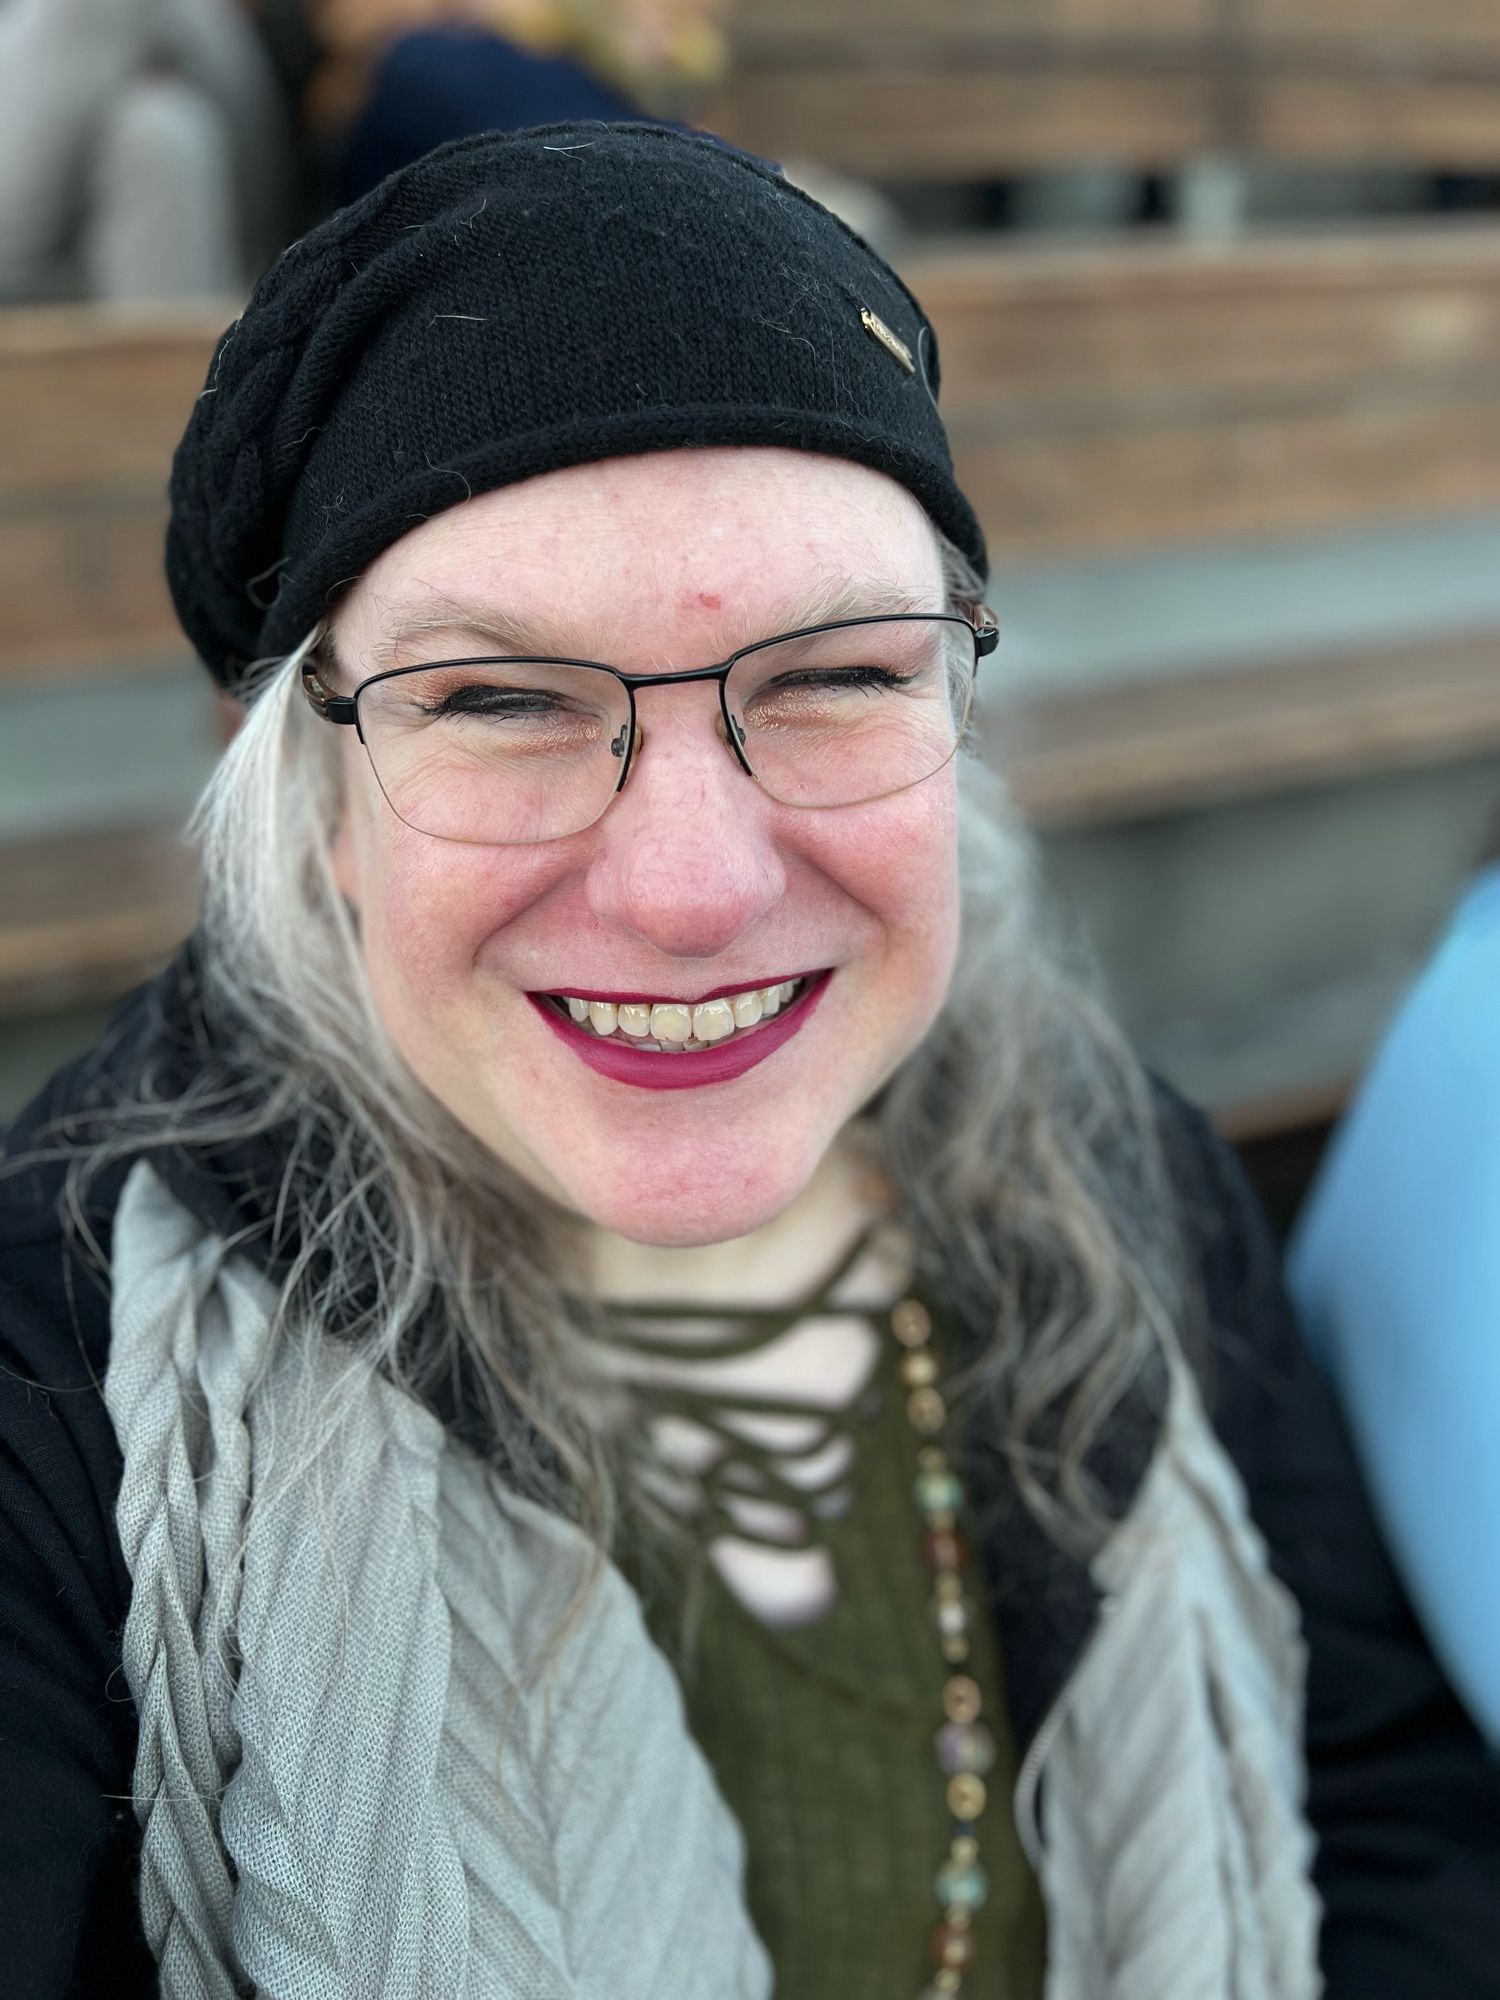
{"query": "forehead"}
(704, 545)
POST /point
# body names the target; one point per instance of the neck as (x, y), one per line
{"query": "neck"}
(779, 1262)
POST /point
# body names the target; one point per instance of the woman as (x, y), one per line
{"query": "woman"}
(614, 1327)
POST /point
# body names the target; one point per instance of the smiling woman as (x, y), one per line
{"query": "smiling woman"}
(618, 1318)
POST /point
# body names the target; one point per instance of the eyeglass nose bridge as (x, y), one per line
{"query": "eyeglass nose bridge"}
(627, 741)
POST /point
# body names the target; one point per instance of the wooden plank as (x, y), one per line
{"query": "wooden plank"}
(1046, 327)
(965, 114)
(1112, 400)
(1394, 34)
(93, 400)
(85, 594)
(1387, 30)
(92, 403)
(1118, 488)
(755, 23)
(1450, 121)
(1134, 751)
(966, 90)
(85, 916)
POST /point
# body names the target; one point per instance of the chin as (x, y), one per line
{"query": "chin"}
(677, 1205)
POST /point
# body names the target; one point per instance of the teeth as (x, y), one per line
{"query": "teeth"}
(671, 1022)
(678, 1027)
(713, 1021)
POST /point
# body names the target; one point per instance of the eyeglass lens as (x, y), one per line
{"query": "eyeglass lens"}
(518, 751)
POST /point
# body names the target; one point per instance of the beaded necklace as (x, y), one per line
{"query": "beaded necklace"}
(964, 1746)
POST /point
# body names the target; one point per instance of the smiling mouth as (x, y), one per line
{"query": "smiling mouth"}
(679, 1027)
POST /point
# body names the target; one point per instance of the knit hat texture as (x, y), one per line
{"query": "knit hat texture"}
(517, 302)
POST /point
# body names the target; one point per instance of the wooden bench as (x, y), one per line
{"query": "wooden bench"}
(968, 89)
(91, 404)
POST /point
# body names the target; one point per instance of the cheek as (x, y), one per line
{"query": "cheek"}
(426, 909)
(898, 859)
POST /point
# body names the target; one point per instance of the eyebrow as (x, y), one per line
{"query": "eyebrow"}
(507, 633)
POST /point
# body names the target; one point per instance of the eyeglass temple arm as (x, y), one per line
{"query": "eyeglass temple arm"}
(332, 707)
(986, 628)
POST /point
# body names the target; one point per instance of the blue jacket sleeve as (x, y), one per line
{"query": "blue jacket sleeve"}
(1396, 1272)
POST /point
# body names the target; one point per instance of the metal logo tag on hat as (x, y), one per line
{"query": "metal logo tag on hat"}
(893, 344)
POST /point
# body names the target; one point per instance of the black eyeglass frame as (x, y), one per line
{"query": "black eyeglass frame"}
(977, 620)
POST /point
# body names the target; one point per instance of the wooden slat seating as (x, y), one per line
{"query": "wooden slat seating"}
(1120, 753)
(969, 89)
(1116, 399)
(1105, 401)
(1101, 402)
(85, 916)
(91, 405)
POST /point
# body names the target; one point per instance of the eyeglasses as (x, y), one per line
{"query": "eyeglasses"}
(508, 752)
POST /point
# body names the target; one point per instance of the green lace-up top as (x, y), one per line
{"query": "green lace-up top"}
(859, 1760)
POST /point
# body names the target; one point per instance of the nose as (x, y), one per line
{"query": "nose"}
(686, 857)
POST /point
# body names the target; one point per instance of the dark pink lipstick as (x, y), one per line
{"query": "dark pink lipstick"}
(649, 1070)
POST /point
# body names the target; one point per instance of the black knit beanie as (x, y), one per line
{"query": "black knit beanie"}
(517, 302)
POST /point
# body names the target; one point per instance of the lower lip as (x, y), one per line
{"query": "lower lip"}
(692, 1071)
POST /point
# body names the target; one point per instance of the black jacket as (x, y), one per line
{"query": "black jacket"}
(1403, 1798)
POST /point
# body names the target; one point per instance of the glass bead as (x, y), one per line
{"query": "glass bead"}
(967, 1797)
(943, 1550)
(952, 1945)
(926, 1411)
(948, 1982)
(962, 1885)
(962, 1700)
(918, 1370)
(965, 1746)
(937, 1492)
(955, 1649)
(911, 1322)
(932, 1458)
(952, 1617)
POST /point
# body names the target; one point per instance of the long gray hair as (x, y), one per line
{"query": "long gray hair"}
(1020, 1136)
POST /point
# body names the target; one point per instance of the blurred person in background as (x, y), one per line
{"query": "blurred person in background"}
(1395, 1267)
(398, 77)
(616, 1384)
(143, 150)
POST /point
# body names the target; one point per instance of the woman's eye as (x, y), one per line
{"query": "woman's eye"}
(838, 677)
(503, 704)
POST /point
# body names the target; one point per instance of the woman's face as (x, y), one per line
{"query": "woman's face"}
(693, 884)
